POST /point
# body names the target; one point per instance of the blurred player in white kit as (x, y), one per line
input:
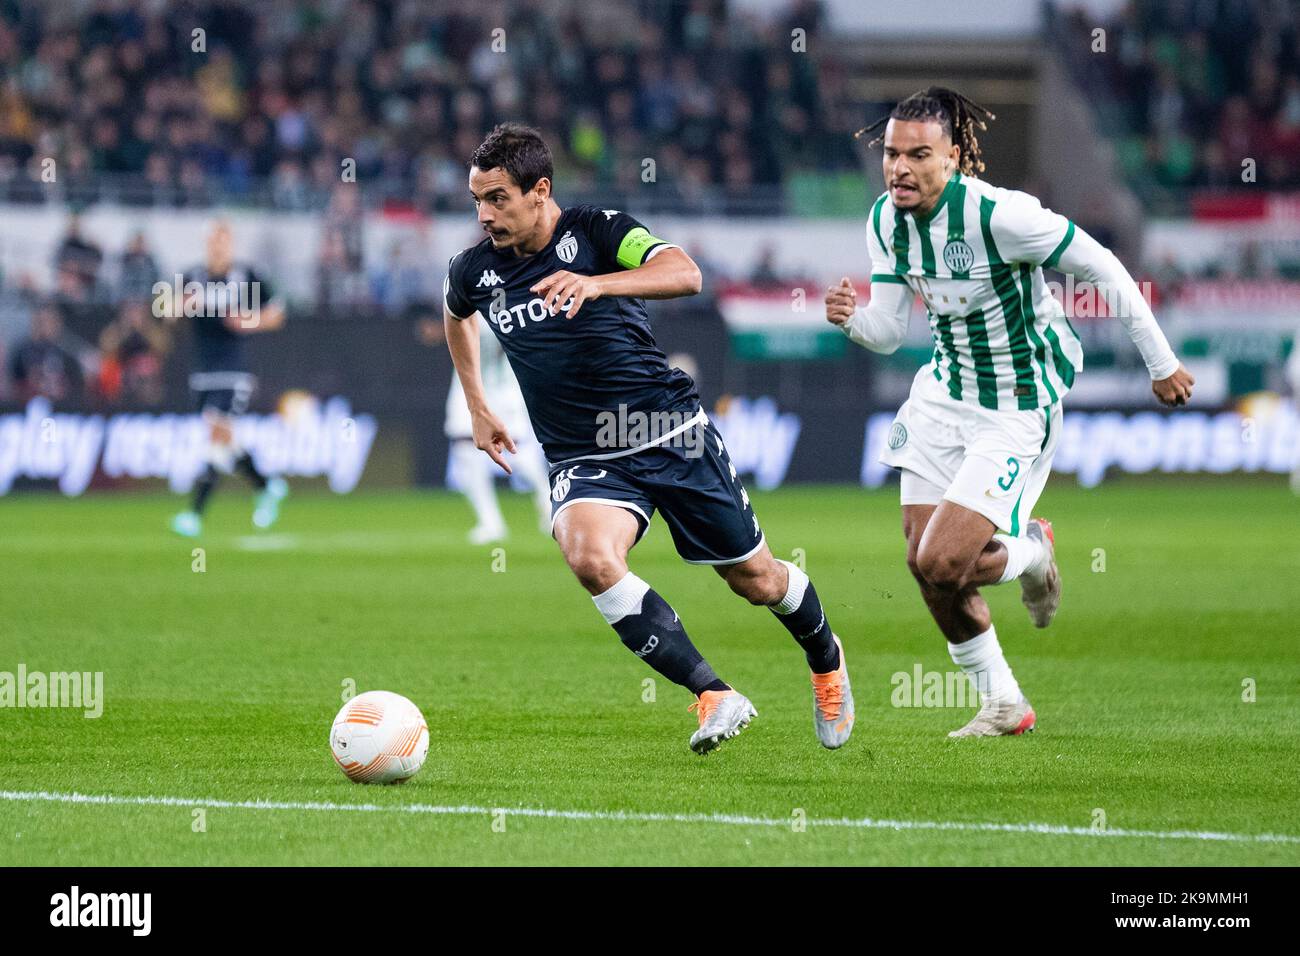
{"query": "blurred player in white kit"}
(471, 471)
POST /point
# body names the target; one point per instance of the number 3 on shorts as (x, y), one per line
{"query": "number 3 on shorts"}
(1009, 479)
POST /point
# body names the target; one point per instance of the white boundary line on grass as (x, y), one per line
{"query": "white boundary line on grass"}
(624, 816)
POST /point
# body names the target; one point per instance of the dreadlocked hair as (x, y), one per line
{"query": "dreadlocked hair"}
(960, 118)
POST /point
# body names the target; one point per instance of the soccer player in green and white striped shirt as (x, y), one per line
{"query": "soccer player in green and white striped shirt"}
(975, 439)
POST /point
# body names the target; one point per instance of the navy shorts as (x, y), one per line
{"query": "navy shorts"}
(226, 393)
(705, 506)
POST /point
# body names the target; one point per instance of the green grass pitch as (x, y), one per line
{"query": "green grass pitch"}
(220, 687)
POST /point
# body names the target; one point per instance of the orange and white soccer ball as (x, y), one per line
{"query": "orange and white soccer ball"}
(379, 737)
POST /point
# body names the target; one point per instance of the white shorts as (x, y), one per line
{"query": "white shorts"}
(995, 463)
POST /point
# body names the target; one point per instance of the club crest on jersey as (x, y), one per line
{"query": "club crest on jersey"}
(897, 435)
(489, 278)
(561, 489)
(958, 256)
(567, 247)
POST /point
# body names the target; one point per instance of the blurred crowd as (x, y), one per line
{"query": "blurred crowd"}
(1196, 87)
(88, 333)
(109, 294)
(233, 97)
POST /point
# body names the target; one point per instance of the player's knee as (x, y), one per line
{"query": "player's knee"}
(939, 569)
(599, 569)
(759, 588)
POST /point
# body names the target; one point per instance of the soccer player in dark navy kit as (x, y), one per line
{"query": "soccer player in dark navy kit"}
(229, 307)
(623, 432)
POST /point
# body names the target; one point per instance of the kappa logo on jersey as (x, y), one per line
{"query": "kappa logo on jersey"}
(609, 213)
(567, 247)
(958, 256)
(489, 278)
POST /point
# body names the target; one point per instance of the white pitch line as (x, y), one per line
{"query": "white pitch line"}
(267, 542)
(624, 816)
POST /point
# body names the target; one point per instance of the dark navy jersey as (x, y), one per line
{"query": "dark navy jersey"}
(218, 348)
(572, 370)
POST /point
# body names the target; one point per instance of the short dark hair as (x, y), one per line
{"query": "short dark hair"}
(520, 151)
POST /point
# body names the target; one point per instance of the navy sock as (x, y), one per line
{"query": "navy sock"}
(651, 630)
(807, 624)
(203, 488)
(245, 464)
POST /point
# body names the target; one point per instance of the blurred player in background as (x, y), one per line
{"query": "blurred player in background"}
(563, 291)
(472, 472)
(1293, 379)
(976, 437)
(234, 301)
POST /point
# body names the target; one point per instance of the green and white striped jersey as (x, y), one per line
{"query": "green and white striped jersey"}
(1001, 339)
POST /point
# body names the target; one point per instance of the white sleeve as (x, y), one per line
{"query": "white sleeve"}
(881, 324)
(1025, 231)
(1084, 257)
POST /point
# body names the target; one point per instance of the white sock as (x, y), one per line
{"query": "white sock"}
(471, 468)
(794, 590)
(622, 599)
(1024, 555)
(222, 457)
(981, 658)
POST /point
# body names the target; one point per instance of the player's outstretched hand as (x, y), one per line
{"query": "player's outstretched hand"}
(491, 436)
(563, 287)
(841, 302)
(1176, 389)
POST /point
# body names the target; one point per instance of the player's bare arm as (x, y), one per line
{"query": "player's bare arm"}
(268, 318)
(490, 433)
(671, 274)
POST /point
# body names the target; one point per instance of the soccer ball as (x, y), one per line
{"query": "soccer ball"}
(379, 737)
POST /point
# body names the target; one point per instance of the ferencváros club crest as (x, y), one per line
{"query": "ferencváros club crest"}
(897, 435)
(561, 488)
(567, 247)
(958, 256)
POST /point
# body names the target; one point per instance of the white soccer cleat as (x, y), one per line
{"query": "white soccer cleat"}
(1010, 719)
(723, 714)
(833, 705)
(267, 504)
(1041, 591)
